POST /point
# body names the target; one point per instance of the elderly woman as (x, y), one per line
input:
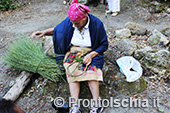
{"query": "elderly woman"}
(80, 35)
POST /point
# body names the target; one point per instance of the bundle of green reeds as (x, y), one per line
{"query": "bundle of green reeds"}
(25, 54)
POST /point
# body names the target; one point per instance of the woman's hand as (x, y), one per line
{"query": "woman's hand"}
(43, 33)
(39, 33)
(88, 58)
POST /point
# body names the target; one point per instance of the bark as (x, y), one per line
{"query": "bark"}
(18, 87)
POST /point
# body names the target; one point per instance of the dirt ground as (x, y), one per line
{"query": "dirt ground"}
(41, 14)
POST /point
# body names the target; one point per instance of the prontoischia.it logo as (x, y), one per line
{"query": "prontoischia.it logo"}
(111, 102)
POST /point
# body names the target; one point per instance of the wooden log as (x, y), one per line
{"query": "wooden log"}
(18, 87)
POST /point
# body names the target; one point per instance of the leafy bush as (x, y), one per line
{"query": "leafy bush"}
(7, 4)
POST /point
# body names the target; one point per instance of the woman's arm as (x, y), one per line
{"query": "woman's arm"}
(42, 33)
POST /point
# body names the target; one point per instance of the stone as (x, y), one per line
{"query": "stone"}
(168, 10)
(116, 81)
(140, 53)
(162, 37)
(126, 46)
(133, 87)
(159, 59)
(153, 40)
(166, 32)
(155, 7)
(123, 33)
(135, 28)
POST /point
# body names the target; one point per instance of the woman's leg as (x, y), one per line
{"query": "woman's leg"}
(94, 88)
(74, 91)
(109, 7)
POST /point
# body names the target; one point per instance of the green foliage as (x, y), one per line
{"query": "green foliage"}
(7, 4)
(163, 0)
(25, 54)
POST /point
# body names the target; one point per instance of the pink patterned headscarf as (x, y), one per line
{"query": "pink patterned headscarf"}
(77, 11)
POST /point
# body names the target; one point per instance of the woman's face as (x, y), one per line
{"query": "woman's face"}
(80, 24)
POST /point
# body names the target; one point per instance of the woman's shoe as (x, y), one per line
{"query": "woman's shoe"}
(96, 110)
(114, 14)
(75, 110)
(108, 11)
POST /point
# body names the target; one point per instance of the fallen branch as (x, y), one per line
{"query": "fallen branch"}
(18, 87)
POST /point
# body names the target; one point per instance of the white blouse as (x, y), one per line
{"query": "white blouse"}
(82, 38)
